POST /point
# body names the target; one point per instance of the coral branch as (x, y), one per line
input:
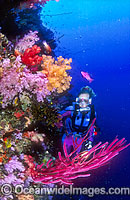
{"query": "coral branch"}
(66, 169)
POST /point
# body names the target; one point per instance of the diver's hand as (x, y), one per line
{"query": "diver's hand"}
(88, 145)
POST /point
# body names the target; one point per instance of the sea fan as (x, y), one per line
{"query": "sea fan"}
(71, 166)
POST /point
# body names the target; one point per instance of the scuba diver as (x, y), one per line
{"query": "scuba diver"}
(77, 120)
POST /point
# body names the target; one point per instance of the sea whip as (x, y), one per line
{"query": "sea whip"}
(67, 168)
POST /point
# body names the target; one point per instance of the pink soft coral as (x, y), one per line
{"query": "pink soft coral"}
(27, 41)
(17, 78)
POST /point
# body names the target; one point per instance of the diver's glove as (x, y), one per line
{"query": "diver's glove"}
(88, 145)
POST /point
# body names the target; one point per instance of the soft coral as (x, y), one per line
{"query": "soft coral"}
(30, 57)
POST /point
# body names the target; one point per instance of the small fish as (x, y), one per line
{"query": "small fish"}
(87, 76)
(47, 47)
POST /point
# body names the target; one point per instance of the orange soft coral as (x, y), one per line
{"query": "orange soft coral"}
(58, 79)
(25, 197)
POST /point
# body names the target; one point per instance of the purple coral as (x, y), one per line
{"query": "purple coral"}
(17, 78)
(14, 164)
(27, 41)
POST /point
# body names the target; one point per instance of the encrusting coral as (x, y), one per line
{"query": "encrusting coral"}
(6, 48)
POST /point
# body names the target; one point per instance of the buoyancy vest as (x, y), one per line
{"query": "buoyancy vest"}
(80, 121)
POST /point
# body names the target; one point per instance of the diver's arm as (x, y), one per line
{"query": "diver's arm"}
(66, 118)
(67, 111)
(68, 125)
(63, 115)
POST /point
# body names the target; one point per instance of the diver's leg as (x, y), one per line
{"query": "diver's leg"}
(67, 137)
(69, 143)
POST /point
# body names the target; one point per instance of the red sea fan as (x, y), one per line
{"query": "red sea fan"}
(67, 168)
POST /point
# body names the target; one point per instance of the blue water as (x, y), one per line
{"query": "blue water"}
(97, 38)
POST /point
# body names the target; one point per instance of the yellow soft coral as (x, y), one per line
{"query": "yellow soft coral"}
(58, 79)
(25, 197)
(1, 71)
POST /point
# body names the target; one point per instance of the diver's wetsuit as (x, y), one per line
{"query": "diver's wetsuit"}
(76, 124)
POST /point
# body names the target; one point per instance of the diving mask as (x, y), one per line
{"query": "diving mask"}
(82, 100)
(83, 104)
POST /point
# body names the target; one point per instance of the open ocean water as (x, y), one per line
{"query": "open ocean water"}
(97, 38)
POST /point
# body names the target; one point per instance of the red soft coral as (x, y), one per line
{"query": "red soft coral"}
(30, 58)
